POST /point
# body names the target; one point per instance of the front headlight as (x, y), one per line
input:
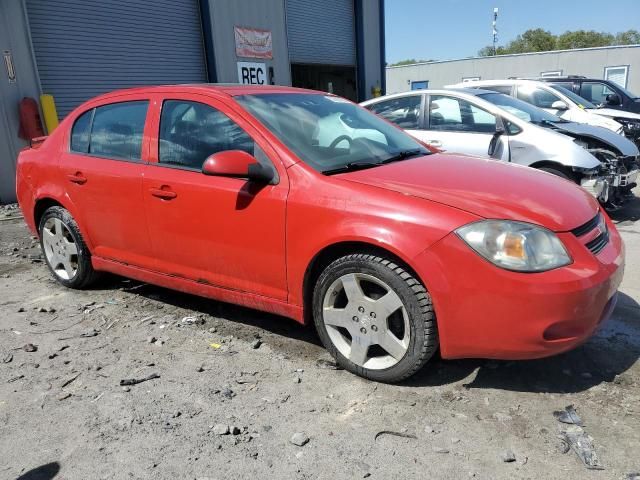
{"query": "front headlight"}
(518, 246)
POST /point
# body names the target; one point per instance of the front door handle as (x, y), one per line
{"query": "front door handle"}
(164, 192)
(77, 178)
(434, 143)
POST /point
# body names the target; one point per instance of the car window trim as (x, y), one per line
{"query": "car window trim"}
(162, 101)
(105, 157)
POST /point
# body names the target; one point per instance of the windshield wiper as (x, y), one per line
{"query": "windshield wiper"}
(351, 166)
(403, 155)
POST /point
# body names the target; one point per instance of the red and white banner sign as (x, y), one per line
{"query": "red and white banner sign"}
(253, 43)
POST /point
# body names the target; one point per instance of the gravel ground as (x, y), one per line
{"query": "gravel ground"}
(239, 393)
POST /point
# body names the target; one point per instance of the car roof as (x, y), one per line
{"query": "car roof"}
(430, 91)
(220, 89)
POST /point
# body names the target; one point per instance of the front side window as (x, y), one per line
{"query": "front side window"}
(403, 111)
(523, 110)
(506, 89)
(80, 133)
(595, 92)
(537, 96)
(330, 133)
(191, 131)
(458, 115)
(117, 130)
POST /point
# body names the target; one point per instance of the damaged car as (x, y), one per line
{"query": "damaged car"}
(485, 123)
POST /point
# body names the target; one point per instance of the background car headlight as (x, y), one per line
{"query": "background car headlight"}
(518, 246)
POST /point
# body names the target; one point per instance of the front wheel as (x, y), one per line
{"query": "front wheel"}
(374, 317)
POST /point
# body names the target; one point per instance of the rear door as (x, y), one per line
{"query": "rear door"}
(220, 231)
(102, 167)
(459, 126)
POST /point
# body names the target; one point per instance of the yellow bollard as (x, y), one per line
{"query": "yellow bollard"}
(49, 112)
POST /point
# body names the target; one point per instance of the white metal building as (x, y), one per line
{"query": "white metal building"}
(620, 64)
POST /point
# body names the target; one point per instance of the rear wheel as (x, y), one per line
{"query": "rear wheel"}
(374, 317)
(64, 249)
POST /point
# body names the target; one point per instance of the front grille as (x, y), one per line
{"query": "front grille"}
(596, 244)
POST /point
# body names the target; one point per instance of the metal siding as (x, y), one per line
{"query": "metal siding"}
(87, 47)
(321, 32)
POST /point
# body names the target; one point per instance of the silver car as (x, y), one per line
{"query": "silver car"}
(485, 123)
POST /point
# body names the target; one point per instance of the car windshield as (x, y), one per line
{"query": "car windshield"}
(523, 110)
(330, 133)
(628, 93)
(577, 99)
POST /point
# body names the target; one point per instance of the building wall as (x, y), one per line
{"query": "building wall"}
(14, 37)
(588, 62)
(263, 14)
(373, 46)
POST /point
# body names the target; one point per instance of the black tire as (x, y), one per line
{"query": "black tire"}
(85, 274)
(557, 172)
(423, 342)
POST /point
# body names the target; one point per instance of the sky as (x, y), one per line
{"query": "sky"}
(448, 29)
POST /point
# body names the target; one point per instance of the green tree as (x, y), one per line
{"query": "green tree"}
(584, 39)
(408, 61)
(630, 37)
(534, 40)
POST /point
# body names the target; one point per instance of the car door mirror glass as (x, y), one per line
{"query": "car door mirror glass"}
(559, 105)
(237, 164)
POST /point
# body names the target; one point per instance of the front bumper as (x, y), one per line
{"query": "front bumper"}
(487, 312)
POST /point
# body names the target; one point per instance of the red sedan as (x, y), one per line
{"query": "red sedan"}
(303, 204)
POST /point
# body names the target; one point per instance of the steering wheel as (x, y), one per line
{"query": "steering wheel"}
(336, 141)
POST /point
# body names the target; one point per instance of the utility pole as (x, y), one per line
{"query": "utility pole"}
(495, 29)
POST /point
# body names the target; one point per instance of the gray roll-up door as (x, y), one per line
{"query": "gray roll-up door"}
(321, 32)
(87, 47)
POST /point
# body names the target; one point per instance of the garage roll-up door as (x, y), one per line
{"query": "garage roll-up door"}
(87, 47)
(321, 32)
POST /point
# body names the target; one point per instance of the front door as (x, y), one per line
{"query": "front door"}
(102, 170)
(456, 125)
(219, 231)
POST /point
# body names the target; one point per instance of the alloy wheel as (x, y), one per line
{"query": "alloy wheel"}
(60, 248)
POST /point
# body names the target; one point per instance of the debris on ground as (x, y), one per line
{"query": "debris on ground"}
(7, 357)
(300, 439)
(575, 438)
(395, 434)
(327, 364)
(221, 429)
(135, 381)
(440, 450)
(508, 456)
(30, 347)
(569, 416)
(256, 343)
(69, 381)
(192, 321)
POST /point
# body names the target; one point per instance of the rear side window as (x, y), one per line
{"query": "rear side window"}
(80, 133)
(116, 131)
(403, 111)
(191, 131)
(537, 96)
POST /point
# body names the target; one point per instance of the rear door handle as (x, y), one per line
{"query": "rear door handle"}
(77, 178)
(164, 192)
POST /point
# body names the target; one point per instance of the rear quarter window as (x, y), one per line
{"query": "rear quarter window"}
(80, 133)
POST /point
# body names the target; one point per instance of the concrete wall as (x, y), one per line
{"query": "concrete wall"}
(373, 44)
(588, 62)
(263, 14)
(14, 37)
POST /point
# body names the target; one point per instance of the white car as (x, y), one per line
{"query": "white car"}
(485, 124)
(556, 100)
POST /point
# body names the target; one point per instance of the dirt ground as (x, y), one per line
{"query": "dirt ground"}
(64, 414)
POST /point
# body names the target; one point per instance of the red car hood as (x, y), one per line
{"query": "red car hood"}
(488, 188)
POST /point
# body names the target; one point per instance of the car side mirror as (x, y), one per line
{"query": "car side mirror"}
(493, 144)
(237, 164)
(559, 105)
(613, 99)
